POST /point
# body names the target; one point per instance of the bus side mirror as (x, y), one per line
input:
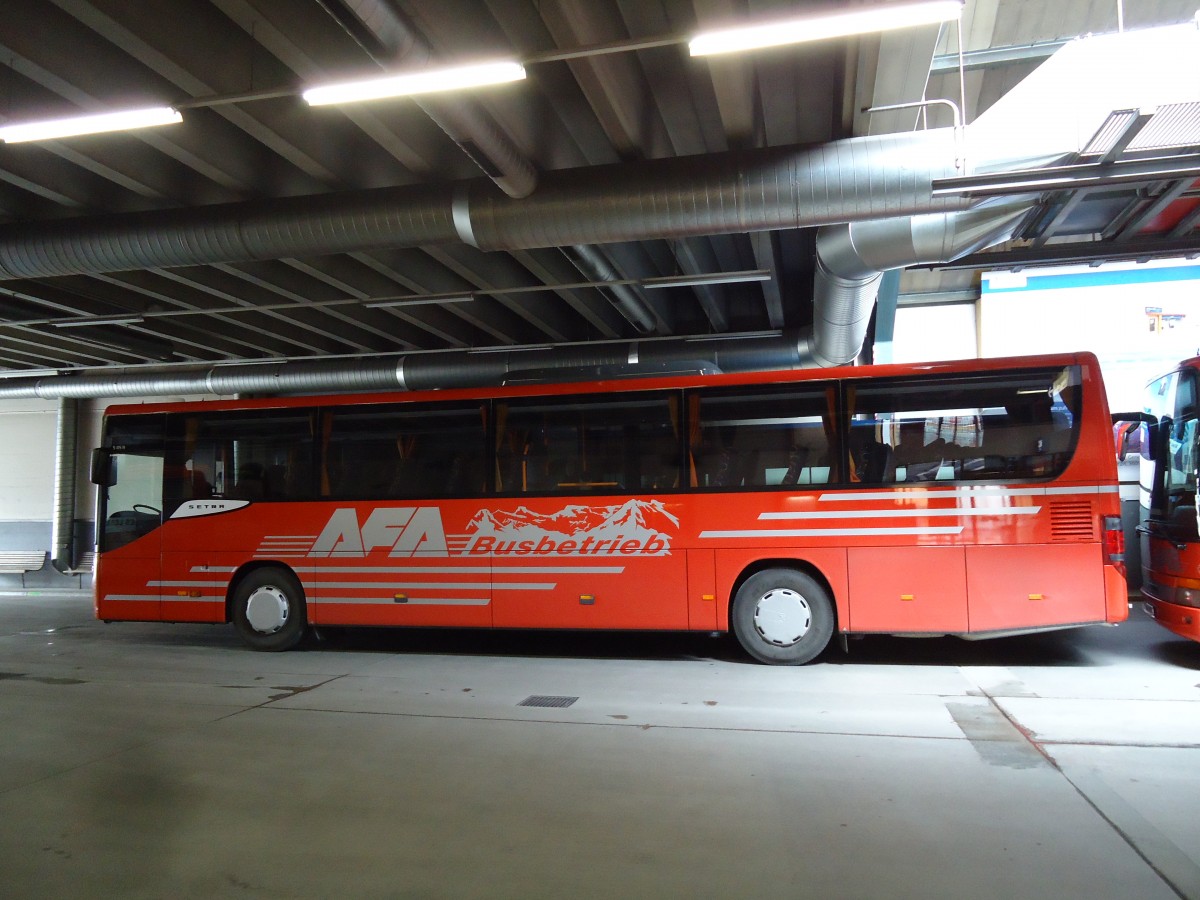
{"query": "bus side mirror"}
(1131, 433)
(102, 469)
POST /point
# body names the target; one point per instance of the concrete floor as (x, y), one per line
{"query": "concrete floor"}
(167, 761)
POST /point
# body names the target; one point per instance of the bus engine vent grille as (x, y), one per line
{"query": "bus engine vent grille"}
(1072, 520)
(549, 701)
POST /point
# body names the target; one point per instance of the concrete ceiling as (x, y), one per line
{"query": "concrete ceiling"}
(64, 57)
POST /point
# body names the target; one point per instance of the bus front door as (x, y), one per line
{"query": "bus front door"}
(128, 565)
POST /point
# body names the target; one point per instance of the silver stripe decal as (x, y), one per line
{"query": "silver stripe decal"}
(219, 584)
(907, 492)
(214, 568)
(155, 598)
(395, 570)
(459, 570)
(411, 601)
(433, 585)
(830, 532)
(501, 569)
(905, 513)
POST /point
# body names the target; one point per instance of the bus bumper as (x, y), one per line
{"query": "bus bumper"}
(1116, 595)
(1182, 620)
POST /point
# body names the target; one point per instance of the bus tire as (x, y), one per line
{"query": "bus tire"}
(782, 616)
(269, 611)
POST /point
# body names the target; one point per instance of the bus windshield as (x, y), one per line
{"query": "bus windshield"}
(132, 502)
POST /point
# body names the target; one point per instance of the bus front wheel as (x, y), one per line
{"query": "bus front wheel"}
(269, 611)
(782, 616)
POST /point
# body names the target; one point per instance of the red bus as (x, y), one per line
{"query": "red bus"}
(974, 498)
(1170, 540)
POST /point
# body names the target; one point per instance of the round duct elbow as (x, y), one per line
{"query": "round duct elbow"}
(842, 310)
(851, 259)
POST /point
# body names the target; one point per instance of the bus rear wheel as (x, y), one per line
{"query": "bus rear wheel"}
(269, 611)
(782, 616)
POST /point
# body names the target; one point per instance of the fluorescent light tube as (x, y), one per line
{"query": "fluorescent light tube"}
(426, 82)
(114, 121)
(821, 27)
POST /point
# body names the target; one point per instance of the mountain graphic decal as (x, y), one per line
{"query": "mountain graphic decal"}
(642, 527)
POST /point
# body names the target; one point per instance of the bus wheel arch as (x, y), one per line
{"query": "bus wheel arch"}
(267, 606)
(782, 611)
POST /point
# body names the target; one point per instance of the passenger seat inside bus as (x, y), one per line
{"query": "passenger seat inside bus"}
(409, 479)
(250, 482)
(1017, 448)
(920, 461)
(879, 464)
(872, 460)
(274, 482)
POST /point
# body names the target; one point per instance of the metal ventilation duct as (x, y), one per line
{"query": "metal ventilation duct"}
(1041, 121)
(66, 452)
(627, 299)
(456, 369)
(792, 187)
(851, 181)
(862, 178)
(852, 258)
(785, 187)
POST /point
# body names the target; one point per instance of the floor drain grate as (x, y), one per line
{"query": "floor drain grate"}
(544, 700)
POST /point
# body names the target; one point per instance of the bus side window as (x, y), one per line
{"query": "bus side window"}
(872, 460)
(243, 454)
(510, 452)
(596, 445)
(250, 482)
(407, 470)
(399, 451)
(806, 452)
(759, 436)
(919, 459)
(464, 474)
(731, 460)
(1030, 439)
(966, 427)
(523, 450)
